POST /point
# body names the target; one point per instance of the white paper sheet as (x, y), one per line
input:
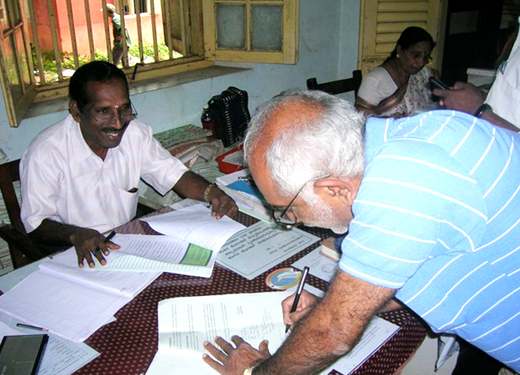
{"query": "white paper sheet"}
(203, 314)
(185, 323)
(319, 265)
(376, 334)
(65, 308)
(159, 253)
(195, 225)
(65, 266)
(261, 247)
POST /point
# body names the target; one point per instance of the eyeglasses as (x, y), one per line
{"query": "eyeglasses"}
(418, 55)
(279, 215)
(105, 116)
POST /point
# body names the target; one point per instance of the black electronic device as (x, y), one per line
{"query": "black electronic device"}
(21, 355)
(436, 83)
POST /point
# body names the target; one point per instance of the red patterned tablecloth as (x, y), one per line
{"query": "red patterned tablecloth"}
(128, 345)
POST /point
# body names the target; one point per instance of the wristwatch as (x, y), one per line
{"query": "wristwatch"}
(480, 110)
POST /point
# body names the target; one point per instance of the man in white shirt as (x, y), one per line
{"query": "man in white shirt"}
(80, 177)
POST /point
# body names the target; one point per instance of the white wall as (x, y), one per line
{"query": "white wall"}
(328, 50)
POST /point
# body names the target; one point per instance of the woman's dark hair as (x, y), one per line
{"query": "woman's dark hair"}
(410, 36)
(95, 71)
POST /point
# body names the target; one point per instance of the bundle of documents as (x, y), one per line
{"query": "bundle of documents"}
(192, 238)
(69, 301)
(185, 323)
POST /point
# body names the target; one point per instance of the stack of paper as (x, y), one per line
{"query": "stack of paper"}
(72, 303)
(194, 224)
(185, 323)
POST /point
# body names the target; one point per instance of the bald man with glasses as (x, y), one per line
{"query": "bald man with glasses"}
(80, 177)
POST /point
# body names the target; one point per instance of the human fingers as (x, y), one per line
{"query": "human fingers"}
(264, 348)
(215, 365)
(223, 205)
(306, 301)
(224, 345)
(218, 354)
(440, 92)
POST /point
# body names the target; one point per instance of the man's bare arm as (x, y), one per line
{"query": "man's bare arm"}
(84, 240)
(191, 185)
(330, 330)
(467, 98)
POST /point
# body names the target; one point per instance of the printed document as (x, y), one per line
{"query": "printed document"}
(159, 253)
(261, 247)
(194, 224)
(69, 301)
(186, 322)
(319, 265)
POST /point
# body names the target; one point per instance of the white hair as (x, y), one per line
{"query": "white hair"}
(329, 143)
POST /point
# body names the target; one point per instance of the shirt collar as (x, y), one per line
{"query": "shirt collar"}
(82, 150)
(376, 133)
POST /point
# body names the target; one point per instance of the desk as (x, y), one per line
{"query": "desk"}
(128, 345)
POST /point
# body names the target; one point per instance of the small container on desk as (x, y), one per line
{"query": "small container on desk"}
(227, 162)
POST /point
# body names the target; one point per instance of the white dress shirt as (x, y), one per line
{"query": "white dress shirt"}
(63, 180)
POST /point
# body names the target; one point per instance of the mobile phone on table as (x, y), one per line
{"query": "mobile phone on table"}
(21, 355)
(436, 83)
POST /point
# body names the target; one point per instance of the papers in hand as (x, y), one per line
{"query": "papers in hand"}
(194, 224)
(185, 323)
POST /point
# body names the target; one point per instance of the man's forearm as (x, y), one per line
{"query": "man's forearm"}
(493, 118)
(191, 185)
(330, 330)
(53, 233)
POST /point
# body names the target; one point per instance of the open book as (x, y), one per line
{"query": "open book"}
(69, 301)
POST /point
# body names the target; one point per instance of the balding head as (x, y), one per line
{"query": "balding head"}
(304, 135)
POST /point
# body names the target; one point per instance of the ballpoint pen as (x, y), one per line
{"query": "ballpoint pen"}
(108, 238)
(299, 292)
(27, 326)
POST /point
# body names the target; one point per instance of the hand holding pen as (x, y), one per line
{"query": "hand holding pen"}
(90, 244)
(299, 304)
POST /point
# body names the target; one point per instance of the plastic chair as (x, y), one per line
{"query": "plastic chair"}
(337, 87)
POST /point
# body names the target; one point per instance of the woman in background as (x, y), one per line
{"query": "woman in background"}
(400, 86)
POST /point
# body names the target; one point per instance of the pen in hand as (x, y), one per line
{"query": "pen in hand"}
(107, 238)
(299, 292)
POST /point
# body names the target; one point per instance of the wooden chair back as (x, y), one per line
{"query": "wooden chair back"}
(339, 86)
(22, 249)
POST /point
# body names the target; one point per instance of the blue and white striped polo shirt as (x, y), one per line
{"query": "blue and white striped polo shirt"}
(437, 216)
